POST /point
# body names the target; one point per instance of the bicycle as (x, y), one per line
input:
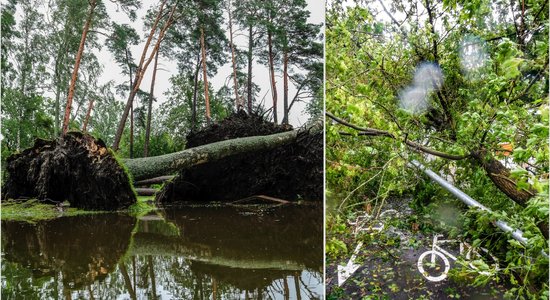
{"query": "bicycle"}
(361, 221)
(472, 253)
(361, 224)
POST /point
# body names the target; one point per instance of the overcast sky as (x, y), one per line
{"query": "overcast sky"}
(168, 68)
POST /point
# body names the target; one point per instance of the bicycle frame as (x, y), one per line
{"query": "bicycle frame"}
(436, 247)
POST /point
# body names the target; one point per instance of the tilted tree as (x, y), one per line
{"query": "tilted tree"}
(167, 14)
(96, 13)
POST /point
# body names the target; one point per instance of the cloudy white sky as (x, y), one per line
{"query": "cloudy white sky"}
(168, 68)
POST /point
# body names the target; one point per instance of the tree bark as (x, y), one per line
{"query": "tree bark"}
(145, 191)
(272, 72)
(148, 167)
(156, 180)
(497, 172)
(142, 67)
(238, 104)
(70, 94)
(132, 129)
(150, 108)
(131, 108)
(88, 113)
(500, 176)
(249, 79)
(285, 87)
(195, 88)
(205, 77)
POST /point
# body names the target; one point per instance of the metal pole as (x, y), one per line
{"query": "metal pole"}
(516, 233)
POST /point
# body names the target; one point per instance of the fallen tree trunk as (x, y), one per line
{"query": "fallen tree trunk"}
(146, 191)
(156, 180)
(147, 167)
(292, 170)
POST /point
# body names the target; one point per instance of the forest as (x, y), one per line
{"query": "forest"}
(462, 87)
(86, 65)
(161, 149)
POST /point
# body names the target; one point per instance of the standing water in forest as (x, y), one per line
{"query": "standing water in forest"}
(185, 252)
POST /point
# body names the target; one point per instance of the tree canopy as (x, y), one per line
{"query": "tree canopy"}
(56, 56)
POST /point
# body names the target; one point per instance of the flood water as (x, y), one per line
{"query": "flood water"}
(190, 252)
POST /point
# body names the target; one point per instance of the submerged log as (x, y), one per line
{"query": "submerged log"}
(75, 167)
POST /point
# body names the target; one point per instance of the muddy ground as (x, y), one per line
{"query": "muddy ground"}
(291, 172)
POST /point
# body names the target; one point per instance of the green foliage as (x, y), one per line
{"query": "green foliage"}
(142, 207)
(494, 94)
(33, 210)
(337, 230)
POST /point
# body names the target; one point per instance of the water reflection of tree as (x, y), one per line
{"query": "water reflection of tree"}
(180, 278)
(158, 259)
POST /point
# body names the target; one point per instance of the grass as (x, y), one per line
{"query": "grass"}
(33, 210)
(143, 205)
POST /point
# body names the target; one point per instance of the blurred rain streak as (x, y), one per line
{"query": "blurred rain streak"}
(428, 77)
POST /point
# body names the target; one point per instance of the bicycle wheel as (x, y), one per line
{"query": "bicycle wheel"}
(424, 273)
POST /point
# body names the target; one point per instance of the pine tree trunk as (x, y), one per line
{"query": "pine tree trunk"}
(58, 72)
(70, 94)
(249, 79)
(88, 113)
(132, 108)
(150, 108)
(132, 130)
(149, 167)
(238, 104)
(195, 88)
(285, 87)
(272, 72)
(205, 77)
(142, 67)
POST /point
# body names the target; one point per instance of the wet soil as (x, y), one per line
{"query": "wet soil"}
(290, 172)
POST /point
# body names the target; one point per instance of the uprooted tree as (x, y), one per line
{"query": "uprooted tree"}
(81, 169)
